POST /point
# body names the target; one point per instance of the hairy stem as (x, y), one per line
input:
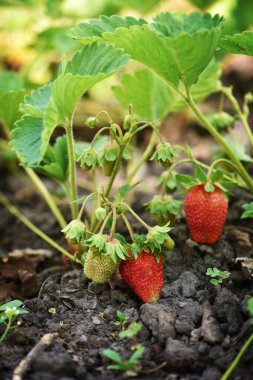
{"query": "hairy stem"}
(3, 336)
(237, 359)
(144, 157)
(241, 170)
(228, 92)
(115, 170)
(72, 170)
(47, 197)
(14, 211)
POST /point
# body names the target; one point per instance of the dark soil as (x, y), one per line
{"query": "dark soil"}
(193, 332)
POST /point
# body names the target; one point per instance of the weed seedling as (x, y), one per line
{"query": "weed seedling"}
(217, 275)
(131, 366)
(131, 331)
(121, 320)
(8, 314)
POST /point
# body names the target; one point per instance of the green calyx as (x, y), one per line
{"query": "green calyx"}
(158, 238)
(75, 231)
(164, 208)
(105, 245)
(165, 153)
(221, 120)
(89, 159)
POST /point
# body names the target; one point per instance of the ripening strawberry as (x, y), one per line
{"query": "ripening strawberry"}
(99, 268)
(205, 213)
(144, 275)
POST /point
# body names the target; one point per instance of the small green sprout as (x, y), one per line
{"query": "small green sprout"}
(121, 319)
(131, 366)
(217, 275)
(131, 331)
(8, 313)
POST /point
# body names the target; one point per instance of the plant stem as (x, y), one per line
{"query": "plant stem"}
(228, 92)
(83, 205)
(14, 211)
(6, 330)
(144, 157)
(129, 227)
(72, 169)
(242, 171)
(114, 220)
(115, 170)
(216, 162)
(47, 197)
(41, 188)
(136, 216)
(237, 359)
(105, 222)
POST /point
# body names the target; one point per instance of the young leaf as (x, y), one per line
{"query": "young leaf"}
(113, 355)
(125, 189)
(238, 44)
(14, 303)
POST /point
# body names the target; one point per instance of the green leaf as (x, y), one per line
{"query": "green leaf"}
(186, 180)
(113, 355)
(10, 81)
(152, 98)
(248, 210)
(9, 107)
(93, 31)
(55, 162)
(238, 44)
(14, 303)
(187, 49)
(137, 355)
(54, 104)
(37, 102)
(27, 139)
(125, 189)
(200, 174)
(212, 272)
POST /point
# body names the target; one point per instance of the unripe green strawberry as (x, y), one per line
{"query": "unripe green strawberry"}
(144, 275)
(205, 213)
(99, 268)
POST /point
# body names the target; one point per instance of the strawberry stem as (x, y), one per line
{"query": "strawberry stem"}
(128, 225)
(136, 216)
(14, 211)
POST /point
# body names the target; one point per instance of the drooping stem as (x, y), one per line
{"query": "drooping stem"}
(114, 220)
(144, 157)
(136, 216)
(237, 359)
(14, 211)
(84, 204)
(72, 169)
(242, 171)
(47, 197)
(105, 222)
(216, 162)
(115, 170)
(129, 227)
(40, 187)
(228, 92)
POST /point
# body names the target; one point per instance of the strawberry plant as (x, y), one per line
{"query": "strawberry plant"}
(181, 72)
(9, 312)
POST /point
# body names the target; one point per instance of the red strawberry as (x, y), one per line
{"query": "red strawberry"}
(206, 213)
(144, 275)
